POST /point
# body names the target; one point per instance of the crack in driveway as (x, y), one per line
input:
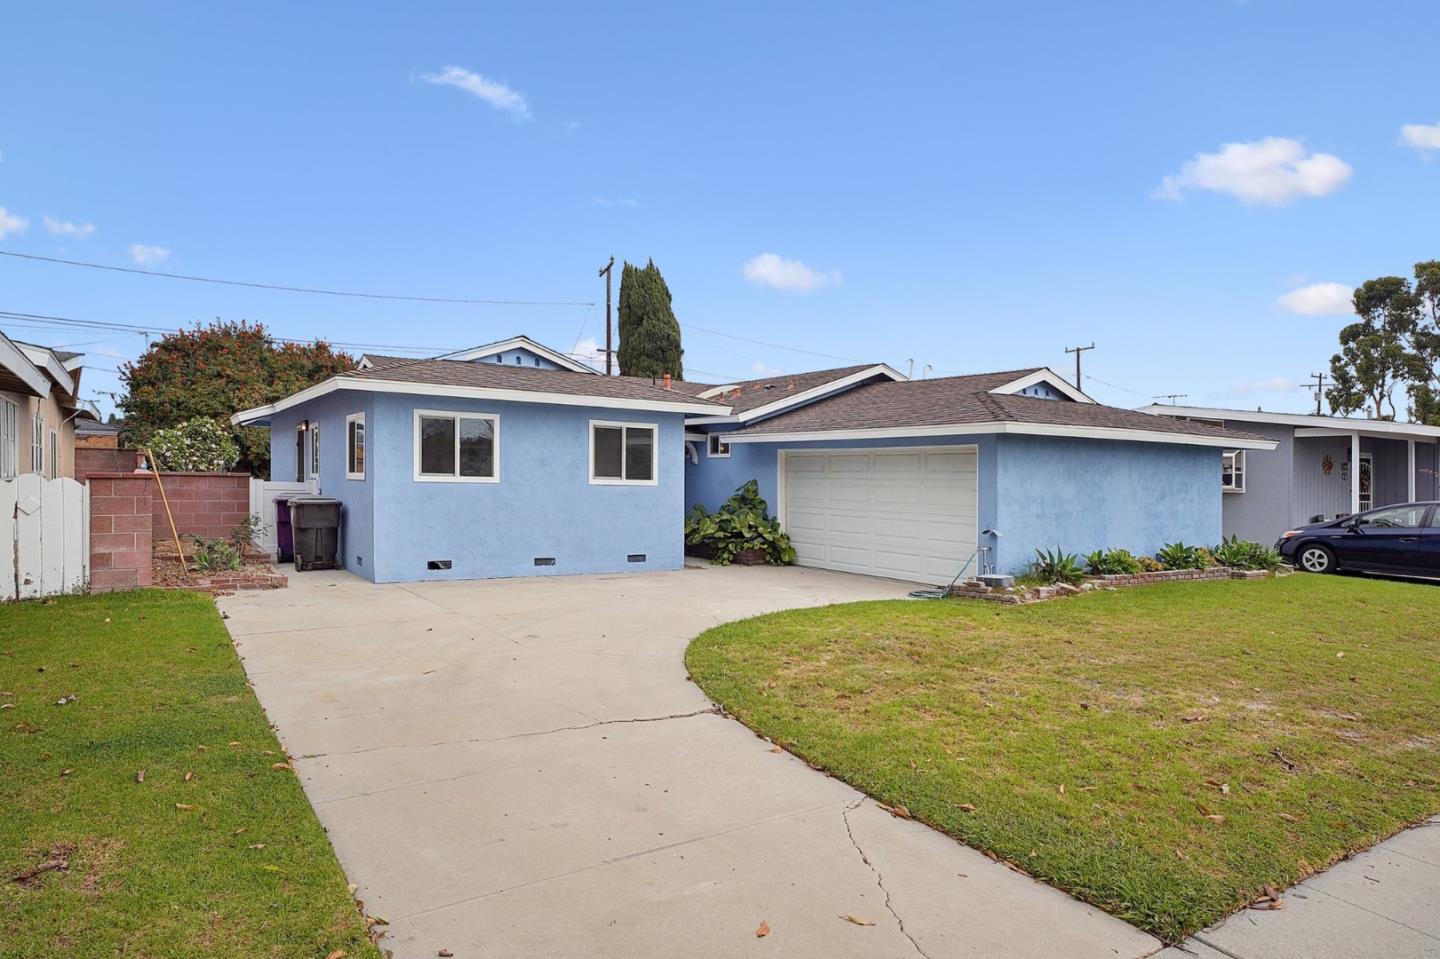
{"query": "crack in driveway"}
(879, 879)
(709, 710)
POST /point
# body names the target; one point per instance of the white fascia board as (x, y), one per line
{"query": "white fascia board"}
(717, 390)
(45, 359)
(520, 342)
(1345, 424)
(710, 420)
(15, 359)
(1048, 377)
(1019, 429)
(465, 392)
(816, 393)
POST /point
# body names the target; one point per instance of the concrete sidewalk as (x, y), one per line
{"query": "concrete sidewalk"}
(1384, 902)
(515, 768)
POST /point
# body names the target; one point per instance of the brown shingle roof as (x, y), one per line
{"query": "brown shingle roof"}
(751, 394)
(964, 400)
(498, 376)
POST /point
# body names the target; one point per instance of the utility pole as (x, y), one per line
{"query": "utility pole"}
(609, 344)
(1319, 379)
(1077, 350)
(1172, 397)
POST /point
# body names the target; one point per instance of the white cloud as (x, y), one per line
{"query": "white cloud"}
(615, 200)
(1269, 172)
(589, 352)
(765, 370)
(66, 228)
(1319, 299)
(1423, 137)
(493, 92)
(771, 269)
(146, 255)
(11, 223)
(1277, 384)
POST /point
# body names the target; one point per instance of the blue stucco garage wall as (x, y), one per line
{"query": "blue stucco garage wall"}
(1084, 495)
(1038, 492)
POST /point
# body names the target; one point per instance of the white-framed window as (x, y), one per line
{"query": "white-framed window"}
(315, 450)
(1232, 471)
(355, 446)
(37, 443)
(300, 444)
(9, 438)
(717, 447)
(455, 447)
(624, 453)
(54, 454)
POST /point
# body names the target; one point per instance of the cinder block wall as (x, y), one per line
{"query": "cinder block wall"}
(203, 504)
(121, 516)
(92, 460)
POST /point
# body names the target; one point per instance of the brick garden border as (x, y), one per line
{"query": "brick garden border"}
(1015, 595)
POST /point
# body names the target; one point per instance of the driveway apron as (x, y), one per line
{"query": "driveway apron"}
(522, 768)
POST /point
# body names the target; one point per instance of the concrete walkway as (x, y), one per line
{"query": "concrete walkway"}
(1384, 902)
(520, 768)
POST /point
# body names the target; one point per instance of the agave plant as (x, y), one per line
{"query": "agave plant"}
(1056, 566)
(1180, 556)
(1112, 562)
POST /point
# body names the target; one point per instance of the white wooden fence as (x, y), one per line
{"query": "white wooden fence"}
(262, 504)
(44, 537)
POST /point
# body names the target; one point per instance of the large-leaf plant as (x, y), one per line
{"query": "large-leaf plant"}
(741, 523)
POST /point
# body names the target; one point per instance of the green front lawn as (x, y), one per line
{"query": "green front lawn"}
(231, 862)
(1164, 752)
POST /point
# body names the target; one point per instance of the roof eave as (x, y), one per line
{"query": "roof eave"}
(1343, 423)
(1233, 442)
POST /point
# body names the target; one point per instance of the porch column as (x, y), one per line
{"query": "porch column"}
(1410, 458)
(1355, 473)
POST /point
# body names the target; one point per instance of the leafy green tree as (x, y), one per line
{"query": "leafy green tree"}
(1425, 390)
(649, 332)
(1376, 354)
(211, 372)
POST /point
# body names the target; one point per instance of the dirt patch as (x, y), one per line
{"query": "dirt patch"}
(255, 572)
(57, 859)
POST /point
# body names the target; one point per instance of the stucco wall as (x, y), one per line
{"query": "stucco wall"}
(1083, 495)
(543, 506)
(55, 419)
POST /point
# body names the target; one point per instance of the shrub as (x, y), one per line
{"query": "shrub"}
(1149, 564)
(1180, 556)
(1057, 566)
(215, 554)
(1243, 554)
(244, 533)
(742, 522)
(1112, 562)
(198, 446)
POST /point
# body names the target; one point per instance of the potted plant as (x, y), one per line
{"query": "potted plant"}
(740, 531)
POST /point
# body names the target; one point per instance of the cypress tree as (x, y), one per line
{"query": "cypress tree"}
(649, 332)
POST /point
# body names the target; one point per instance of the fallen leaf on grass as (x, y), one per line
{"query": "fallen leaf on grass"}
(189, 776)
(256, 845)
(1270, 900)
(338, 954)
(897, 810)
(7, 705)
(377, 921)
(65, 700)
(66, 772)
(1287, 817)
(183, 806)
(762, 930)
(1193, 718)
(281, 766)
(140, 776)
(856, 920)
(967, 806)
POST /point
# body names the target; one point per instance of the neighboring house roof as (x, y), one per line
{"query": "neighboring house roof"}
(84, 427)
(971, 404)
(463, 378)
(521, 342)
(1342, 424)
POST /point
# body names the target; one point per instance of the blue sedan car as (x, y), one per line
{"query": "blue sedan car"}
(1395, 540)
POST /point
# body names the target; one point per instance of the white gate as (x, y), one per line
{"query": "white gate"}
(44, 537)
(262, 504)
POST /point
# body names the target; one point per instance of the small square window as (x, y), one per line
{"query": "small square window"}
(718, 447)
(1232, 471)
(623, 453)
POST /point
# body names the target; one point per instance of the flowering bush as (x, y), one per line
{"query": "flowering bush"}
(198, 446)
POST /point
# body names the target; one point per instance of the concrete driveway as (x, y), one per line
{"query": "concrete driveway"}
(521, 768)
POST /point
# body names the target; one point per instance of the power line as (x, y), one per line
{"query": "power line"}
(1114, 386)
(291, 289)
(777, 346)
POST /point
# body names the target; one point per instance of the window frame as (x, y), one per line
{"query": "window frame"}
(37, 443)
(712, 440)
(54, 453)
(455, 477)
(315, 451)
(1237, 469)
(9, 438)
(351, 421)
(624, 426)
(302, 448)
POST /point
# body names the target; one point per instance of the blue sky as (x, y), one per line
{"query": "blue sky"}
(971, 186)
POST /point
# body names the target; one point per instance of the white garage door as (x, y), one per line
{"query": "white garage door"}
(903, 513)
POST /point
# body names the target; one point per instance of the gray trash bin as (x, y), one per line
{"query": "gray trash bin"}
(315, 527)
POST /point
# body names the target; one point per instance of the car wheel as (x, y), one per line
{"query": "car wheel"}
(1316, 559)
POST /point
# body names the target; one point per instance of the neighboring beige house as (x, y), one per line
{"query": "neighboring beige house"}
(39, 403)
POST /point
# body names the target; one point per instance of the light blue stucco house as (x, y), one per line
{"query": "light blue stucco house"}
(513, 459)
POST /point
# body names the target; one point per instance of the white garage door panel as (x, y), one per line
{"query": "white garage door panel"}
(904, 513)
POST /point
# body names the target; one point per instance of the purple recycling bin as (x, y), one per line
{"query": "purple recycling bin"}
(284, 538)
